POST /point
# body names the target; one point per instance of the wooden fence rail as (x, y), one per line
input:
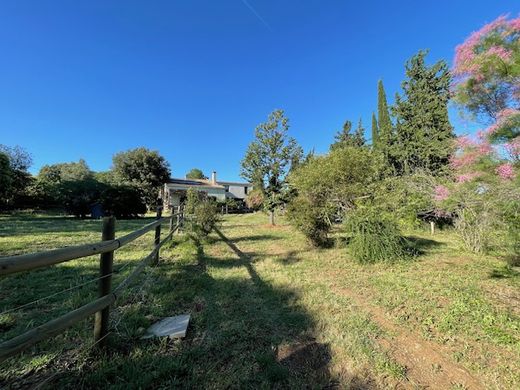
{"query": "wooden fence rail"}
(100, 306)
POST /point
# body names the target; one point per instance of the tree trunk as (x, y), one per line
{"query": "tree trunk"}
(271, 217)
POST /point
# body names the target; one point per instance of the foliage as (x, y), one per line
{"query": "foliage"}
(255, 199)
(374, 236)
(484, 195)
(423, 133)
(195, 173)
(384, 122)
(407, 197)
(327, 186)
(346, 138)
(122, 201)
(309, 219)
(5, 179)
(487, 77)
(192, 199)
(146, 169)
(77, 196)
(269, 158)
(200, 212)
(19, 178)
(374, 129)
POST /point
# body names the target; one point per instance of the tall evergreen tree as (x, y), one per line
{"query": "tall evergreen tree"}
(346, 137)
(423, 130)
(383, 116)
(359, 135)
(375, 130)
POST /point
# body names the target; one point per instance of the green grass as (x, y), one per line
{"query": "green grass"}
(268, 311)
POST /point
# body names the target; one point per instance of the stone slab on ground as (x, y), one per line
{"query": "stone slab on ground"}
(173, 327)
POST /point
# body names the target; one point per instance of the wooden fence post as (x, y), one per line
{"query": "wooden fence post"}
(106, 261)
(432, 228)
(158, 234)
(171, 225)
(179, 219)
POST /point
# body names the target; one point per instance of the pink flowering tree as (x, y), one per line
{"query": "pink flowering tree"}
(486, 75)
(483, 195)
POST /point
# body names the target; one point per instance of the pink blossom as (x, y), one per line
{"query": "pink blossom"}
(507, 113)
(467, 177)
(515, 24)
(464, 142)
(441, 193)
(500, 52)
(485, 148)
(506, 171)
(513, 148)
(464, 160)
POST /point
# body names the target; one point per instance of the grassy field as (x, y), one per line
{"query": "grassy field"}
(268, 311)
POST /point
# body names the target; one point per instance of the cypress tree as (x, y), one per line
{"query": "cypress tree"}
(383, 116)
(375, 130)
(423, 131)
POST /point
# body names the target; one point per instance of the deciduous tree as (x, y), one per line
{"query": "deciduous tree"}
(269, 158)
(146, 169)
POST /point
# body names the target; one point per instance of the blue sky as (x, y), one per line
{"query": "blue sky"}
(192, 79)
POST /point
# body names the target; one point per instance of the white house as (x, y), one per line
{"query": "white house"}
(174, 192)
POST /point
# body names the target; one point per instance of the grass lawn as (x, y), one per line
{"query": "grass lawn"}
(268, 311)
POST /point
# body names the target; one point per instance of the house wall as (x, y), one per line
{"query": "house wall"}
(175, 198)
(238, 191)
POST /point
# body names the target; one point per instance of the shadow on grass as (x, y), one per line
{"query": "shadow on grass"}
(422, 245)
(504, 273)
(244, 333)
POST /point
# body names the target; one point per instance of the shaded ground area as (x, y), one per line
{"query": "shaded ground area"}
(268, 311)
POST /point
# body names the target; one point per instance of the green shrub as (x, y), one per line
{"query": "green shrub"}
(205, 217)
(374, 236)
(123, 201)
(201, 213)
(306, 218)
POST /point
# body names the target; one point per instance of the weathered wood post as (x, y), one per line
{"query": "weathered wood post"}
(432, 228)
(157, 234)
(179, 217)
(106, 261)
(171, 224)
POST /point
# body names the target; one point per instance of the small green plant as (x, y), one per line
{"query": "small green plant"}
(201, 213)
(374, 236)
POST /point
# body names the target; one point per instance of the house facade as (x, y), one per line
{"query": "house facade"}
(174, 192)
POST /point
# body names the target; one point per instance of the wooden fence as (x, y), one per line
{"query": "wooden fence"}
(107, 296)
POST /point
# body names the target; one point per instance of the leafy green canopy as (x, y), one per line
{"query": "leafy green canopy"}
(269, 157)
(146, 169)
(327, 186)
(196, 173)
(15, 175)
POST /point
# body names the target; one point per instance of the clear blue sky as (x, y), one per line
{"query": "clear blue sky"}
(86, 79)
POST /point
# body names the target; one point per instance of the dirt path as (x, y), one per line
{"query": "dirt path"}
(428, 365)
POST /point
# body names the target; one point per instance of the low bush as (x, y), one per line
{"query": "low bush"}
(307, 219)
(201, 213)
(122, 201)
(374, 236)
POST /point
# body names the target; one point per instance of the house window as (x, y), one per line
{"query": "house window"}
(245, 189)
(226, 188)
